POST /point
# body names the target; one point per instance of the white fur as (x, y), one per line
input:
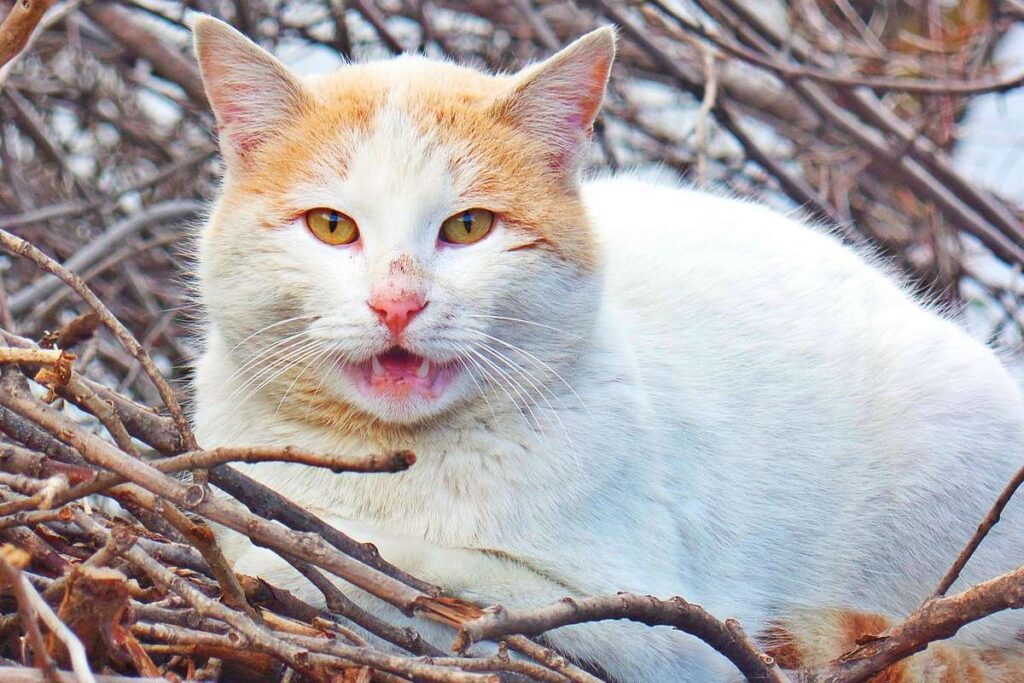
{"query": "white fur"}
(770, 423)
(758, 420)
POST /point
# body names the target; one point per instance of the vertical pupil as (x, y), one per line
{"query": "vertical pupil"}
(467, 222)
(332, 222)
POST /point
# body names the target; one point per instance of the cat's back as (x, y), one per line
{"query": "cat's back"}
(687, 249)
(711, 274)
(734, 306)
(811, 397)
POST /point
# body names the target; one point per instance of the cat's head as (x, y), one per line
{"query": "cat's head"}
(402, 237)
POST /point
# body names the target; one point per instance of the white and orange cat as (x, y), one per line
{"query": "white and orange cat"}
(611, 385)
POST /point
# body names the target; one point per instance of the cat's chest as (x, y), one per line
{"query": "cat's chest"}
(468, 487)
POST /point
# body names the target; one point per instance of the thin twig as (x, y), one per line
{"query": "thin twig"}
(19, 247)
(936, 619)
(979, 535)
(11, 562)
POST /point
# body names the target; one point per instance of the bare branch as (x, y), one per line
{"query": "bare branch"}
(17, 27)
(725, 637)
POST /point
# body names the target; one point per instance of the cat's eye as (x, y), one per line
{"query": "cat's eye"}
(467, 227)
(331, 227)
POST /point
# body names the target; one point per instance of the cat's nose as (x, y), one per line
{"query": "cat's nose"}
(397, 311)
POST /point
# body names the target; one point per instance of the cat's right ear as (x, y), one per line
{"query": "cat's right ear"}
(251, 93)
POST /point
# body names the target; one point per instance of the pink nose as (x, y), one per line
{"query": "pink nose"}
(397, 311)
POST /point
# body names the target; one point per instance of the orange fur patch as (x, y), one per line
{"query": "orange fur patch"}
(814, 638)
(780, 645)
(454, 105)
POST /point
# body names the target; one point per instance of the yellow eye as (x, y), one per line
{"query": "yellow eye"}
(467, 227)
(331, 227)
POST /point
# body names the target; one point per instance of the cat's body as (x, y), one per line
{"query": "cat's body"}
(696, 397)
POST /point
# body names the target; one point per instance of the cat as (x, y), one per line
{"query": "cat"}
(617, 384)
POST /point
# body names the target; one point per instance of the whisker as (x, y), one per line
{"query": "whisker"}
(489, 378)
(262, 354)
(479, 388)
(537, 360)
(265, 361)
(525, 322)
(276, 369)
(516, 387)
(317, 358)
(551, 409)
(274, 373)
(323, 378)
(271, 326)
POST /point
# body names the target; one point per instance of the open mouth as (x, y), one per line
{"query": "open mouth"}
(399, 373)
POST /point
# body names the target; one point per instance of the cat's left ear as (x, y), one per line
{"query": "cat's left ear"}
(557, 100)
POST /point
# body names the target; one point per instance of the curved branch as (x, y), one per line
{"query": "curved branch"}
(726, 637)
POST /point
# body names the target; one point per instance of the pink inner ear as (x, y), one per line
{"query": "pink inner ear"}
(569, 147)
(580, 108)
(581, 111)
(239, 124)
(596, 83)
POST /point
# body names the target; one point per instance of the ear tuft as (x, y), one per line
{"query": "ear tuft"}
(557, 100)
(251, 93)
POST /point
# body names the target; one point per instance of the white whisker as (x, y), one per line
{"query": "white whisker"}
(479, 388)
(263, 354)
(265, 362)
(317, 358)
(552, 413)
(488, 377)
(272, 325)
(278, 368)
(536, 360)
(518, 389)
(525, 322)
(331, 352)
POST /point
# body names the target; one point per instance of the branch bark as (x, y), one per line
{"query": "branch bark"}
(725, 637)
(18, 25)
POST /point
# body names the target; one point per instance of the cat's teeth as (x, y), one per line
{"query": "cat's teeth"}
(378, 369)
(424, 368)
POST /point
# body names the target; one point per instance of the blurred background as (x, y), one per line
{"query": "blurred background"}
(899, 122)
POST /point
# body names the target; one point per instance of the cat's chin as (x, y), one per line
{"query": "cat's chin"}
(400, 377)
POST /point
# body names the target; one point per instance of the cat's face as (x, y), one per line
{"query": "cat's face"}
(399, 238)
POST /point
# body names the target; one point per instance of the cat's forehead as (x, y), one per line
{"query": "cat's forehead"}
(448, 103)
(419, 79)
(407, 121)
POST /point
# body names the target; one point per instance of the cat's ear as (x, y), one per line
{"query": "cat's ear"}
(251, 93)
(557, 100)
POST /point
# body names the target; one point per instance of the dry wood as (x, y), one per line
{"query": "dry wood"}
(17, 27)
(936, 619)
(32, 606)
(12, 560)
(20, 247)
(94, 603)
(986, 525)
(726, 637)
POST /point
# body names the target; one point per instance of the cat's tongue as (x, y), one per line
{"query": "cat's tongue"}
(399, 364)
(398, 371)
